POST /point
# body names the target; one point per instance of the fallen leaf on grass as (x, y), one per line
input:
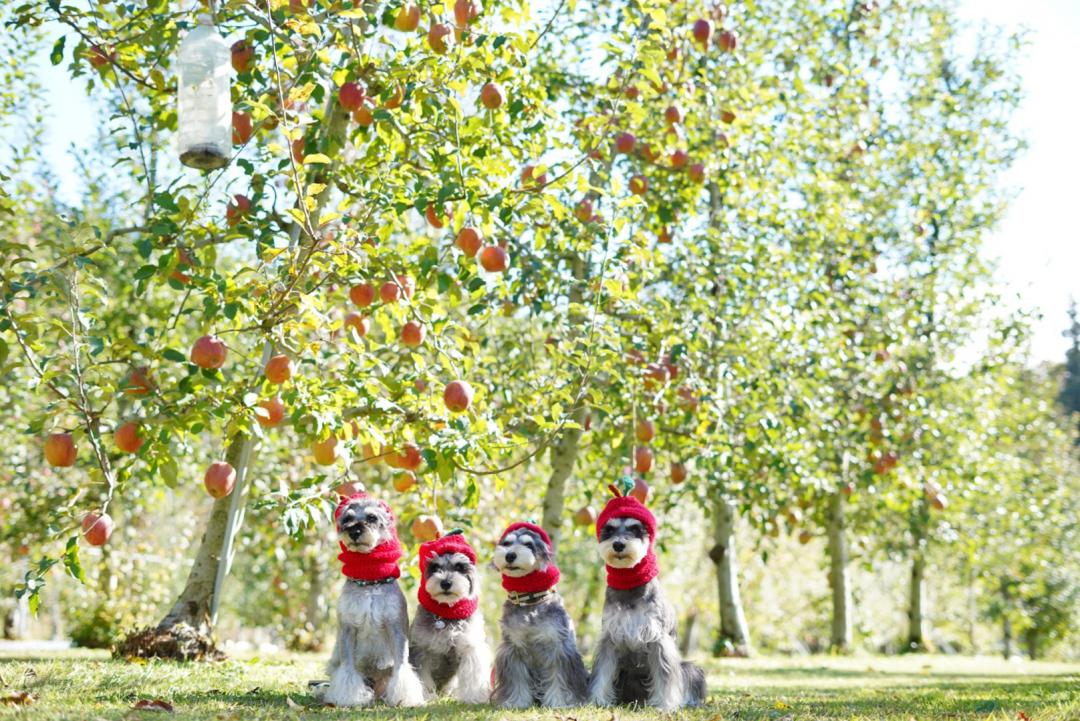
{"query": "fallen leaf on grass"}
(153, 705)
(780, 706)
(1022, 716)
(291, 704)
(18, 698)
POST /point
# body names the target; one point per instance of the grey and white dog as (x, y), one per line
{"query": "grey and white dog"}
(537, 661)
(370, 658)
(637, 659)
(451, 655)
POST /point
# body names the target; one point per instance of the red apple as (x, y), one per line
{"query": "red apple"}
(492, 96)
(702, 31)
(585, 516)
(364, 116)
(679, 159)
(389, 292)
(678, 472)
(209, 352)
(645, 431)
(673, 115)
(664, 236)
(299, 149)
(583, 211)
(362, 295)
(409, 457)
(457, 396)
(527, 179)
(639, 185)
(469, 241)
(350, 95)
(412, 334)
(727, 40)
(437, 37)
(138, 382)
(326, 451)
(220, 479)
(349, 489)
(359, 323)
(126, 437)
(279, 369)
(97, 528)
(465, 12)
(99, 57)
(727, 116)
(407, 18)
(396, 98)
(274, 412)
(426, 528)
(632, 92)
(640, 490)
(237, 209)
(404, 481)
(697, 173)
(624, 143)
(60, 451)
(242, 56)
(493, 259)
(643, 459)
(436, 220)
(241, 128)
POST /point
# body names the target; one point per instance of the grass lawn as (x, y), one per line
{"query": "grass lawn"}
(83, 685)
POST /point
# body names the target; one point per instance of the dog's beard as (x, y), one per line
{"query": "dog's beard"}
(458, 591)
(364, 542)
(524, 563)
(634, 550)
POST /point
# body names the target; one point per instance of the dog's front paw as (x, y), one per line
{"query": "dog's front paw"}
(348, 689)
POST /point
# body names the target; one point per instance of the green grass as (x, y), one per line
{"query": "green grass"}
(81, 685)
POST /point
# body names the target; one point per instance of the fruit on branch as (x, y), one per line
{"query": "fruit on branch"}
(350, 95)
(404, 481)
(349, 489)
(97, 528)
(274, 412)
(639, 185)
(457, 396)
(468, 241)
(847, 489)
(359, 323)
(242, 56)
(412, 334)
(697, 173)
(396, 98)
(138, 382)
(678, 472)
(583, 211)
(60, 451)
(673, 115)
(278, 369)
(408, 286)
(702, 31)
(643, 459)
(632, 92)
(640, 490)
(656, 374)
(679, 159)
(184, 261)
(209, 352)
(238, 207)
(326, 451)
(625, 142)
(389, 292)
(298, 6)
(437, 37)
(100, 57)
(727, 41)
(805, 537)
(241, 128)
(465, 12)
(299, 149)
(664, 236)
(363, 115)
(585, 516)
(437, 220)
(407, 18)
(727, 116)
(408, 458)
(493, 259)
(362, 295)
(529, 181)
(126, 437)
(649, 152)
(645, 430)
(492, 96)
(426, 528)
(220, 479)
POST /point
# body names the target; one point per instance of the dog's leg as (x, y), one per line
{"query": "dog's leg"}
(694, 684)
(418, 659)
(604, 672)
(403, 687)
(567, 682)
(665, 666)
(347, 686)
(472, 682)
(513, 683)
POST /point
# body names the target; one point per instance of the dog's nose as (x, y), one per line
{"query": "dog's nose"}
(619, 546)
(446, 584)
(510, 557)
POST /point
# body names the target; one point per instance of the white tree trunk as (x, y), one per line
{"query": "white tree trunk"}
(733, 632)
(840, 636)
(916, 640)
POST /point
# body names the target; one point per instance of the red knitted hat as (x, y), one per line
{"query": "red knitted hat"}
(627, 507)
(530, 527)
(450, 543)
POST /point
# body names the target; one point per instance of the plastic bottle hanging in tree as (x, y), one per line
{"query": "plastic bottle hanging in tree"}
(204, 114)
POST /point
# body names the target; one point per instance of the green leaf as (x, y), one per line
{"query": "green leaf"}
(57, 55)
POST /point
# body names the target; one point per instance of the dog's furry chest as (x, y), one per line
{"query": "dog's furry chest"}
(442, 643)
(370, 613)
(637, 617)
(535, 629)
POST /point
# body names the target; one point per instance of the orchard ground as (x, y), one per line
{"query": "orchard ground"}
(87, 685)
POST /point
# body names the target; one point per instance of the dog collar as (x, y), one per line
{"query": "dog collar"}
(529, 599)
(378, 582)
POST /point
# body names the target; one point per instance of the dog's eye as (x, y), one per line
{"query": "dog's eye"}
(608, 532)
(371, 518)
(461, 568)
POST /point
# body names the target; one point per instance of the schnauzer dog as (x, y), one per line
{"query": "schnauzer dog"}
(370, 658)
(537, 661)
(447, 644)
(637, 660)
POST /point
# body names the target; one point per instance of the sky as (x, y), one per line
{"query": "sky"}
(1036, 249)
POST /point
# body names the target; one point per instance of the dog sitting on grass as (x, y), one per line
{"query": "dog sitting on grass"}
(637, 659)
(447, 644)
(537, 661)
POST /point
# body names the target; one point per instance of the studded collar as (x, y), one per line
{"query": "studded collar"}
(530, 598)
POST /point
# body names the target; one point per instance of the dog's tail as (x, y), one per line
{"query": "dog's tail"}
(693, 684)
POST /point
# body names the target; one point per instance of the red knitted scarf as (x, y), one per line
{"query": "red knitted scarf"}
(624, 579)
(379, 565)
(456, 611)
(533, 582)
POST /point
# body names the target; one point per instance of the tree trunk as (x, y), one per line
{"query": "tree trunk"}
(840, 635)
(733, 635)
(916, 640)
(1007, 649)
(1031, 641)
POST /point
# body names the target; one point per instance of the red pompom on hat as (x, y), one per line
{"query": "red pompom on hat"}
(453, 542)
(647, 568)
(381, 563)
(537, 580)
